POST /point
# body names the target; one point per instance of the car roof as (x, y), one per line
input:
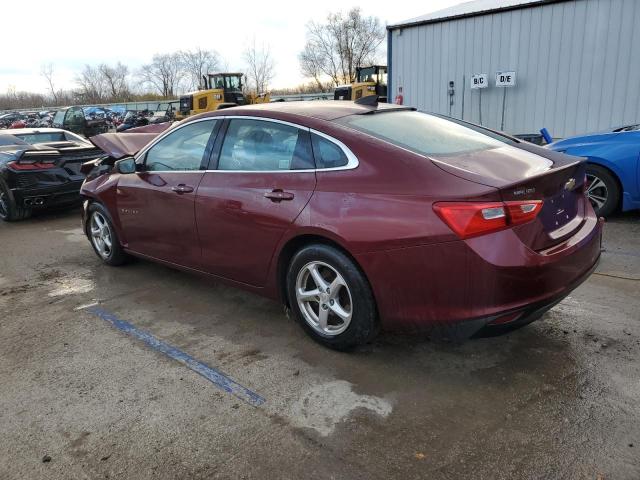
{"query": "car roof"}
(320, 109)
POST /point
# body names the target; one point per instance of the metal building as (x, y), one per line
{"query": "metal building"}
(576, 63)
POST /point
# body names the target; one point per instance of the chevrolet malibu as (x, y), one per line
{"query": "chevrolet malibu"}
(357, 217)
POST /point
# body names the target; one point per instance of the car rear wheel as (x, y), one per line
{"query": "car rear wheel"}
(331, 298)
(103, 236)
(10, 211)
(602, 190)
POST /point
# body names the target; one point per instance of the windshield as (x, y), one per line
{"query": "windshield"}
(58, 118)
(370, 74)
(628, 128)
(422, 133)
(227, 82)
(232, 82)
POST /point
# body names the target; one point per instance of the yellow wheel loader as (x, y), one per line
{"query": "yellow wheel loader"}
(369, 81)
(219, 90)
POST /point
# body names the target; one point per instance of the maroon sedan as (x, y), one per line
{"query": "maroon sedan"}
(355, 216)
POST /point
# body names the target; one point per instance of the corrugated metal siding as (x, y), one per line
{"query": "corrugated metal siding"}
(577, 64)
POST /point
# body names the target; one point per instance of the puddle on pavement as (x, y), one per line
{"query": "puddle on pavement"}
(323, 406)
(67, 283)
(71, 286)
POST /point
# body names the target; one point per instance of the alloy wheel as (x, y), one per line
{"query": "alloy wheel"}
(101, 235)
(324, 298)
(597, 191)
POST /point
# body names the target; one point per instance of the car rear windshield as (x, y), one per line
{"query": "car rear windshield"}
(422, 133)
(42, 137)
(10, 140)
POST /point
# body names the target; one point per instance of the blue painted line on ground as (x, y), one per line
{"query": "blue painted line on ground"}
(216, 377)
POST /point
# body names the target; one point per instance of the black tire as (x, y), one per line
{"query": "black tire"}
(10, 211)
(356, 293)
(610, 190)
(115, 255)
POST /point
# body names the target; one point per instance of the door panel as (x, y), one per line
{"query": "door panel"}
(157, 220)
(244, 207)
(239, 227)
(156, 205)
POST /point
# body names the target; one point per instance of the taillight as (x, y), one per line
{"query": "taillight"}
(469, 219)
(523, 212)
(31, 165)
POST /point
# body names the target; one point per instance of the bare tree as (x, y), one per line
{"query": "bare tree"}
(198, 62)
(47, 72)
(164, 73)
(115, 81)
(14, 99)
(260, 67)
(310, 66)
(91, 85)
(336, 48)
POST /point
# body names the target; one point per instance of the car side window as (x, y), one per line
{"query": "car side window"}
(327, 154)
(75, 117)
(182, 149)
(259, 145)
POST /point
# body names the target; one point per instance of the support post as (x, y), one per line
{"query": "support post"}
(504, 99)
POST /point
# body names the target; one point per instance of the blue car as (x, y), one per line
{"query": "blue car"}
(613, 169)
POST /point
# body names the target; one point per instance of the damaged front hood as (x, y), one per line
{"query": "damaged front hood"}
(127, 144)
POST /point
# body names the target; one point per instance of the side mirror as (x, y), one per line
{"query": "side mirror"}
(126, 165)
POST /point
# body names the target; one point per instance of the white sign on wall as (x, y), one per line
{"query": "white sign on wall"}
(479, 80)
(505, 79)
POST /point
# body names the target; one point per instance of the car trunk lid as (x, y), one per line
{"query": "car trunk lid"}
(525, 173)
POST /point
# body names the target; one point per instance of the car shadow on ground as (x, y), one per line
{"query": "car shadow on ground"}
(48, 215)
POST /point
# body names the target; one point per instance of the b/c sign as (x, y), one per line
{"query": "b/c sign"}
(480, 80)
(505, 79)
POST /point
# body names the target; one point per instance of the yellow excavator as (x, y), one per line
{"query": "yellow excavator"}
(219, 90)
(369, 81)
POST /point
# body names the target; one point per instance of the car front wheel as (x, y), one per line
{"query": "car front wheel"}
(103, 236)
(331, 298)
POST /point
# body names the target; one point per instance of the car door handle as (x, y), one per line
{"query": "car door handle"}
(182, 188)
(278, 195)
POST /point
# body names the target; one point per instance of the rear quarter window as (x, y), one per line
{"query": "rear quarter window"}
(327, 154)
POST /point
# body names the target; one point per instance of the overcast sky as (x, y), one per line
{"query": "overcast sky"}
(71, 33)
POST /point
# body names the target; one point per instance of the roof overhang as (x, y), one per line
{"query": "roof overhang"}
(470, 9)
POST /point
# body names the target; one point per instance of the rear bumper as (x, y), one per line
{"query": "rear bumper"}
(465, 285)
(63, 194)
(505, 321)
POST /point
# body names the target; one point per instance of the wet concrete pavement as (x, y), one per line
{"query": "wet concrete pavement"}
(557, 399)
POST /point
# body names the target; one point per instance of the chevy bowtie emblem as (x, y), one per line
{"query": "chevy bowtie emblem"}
(571, 184)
